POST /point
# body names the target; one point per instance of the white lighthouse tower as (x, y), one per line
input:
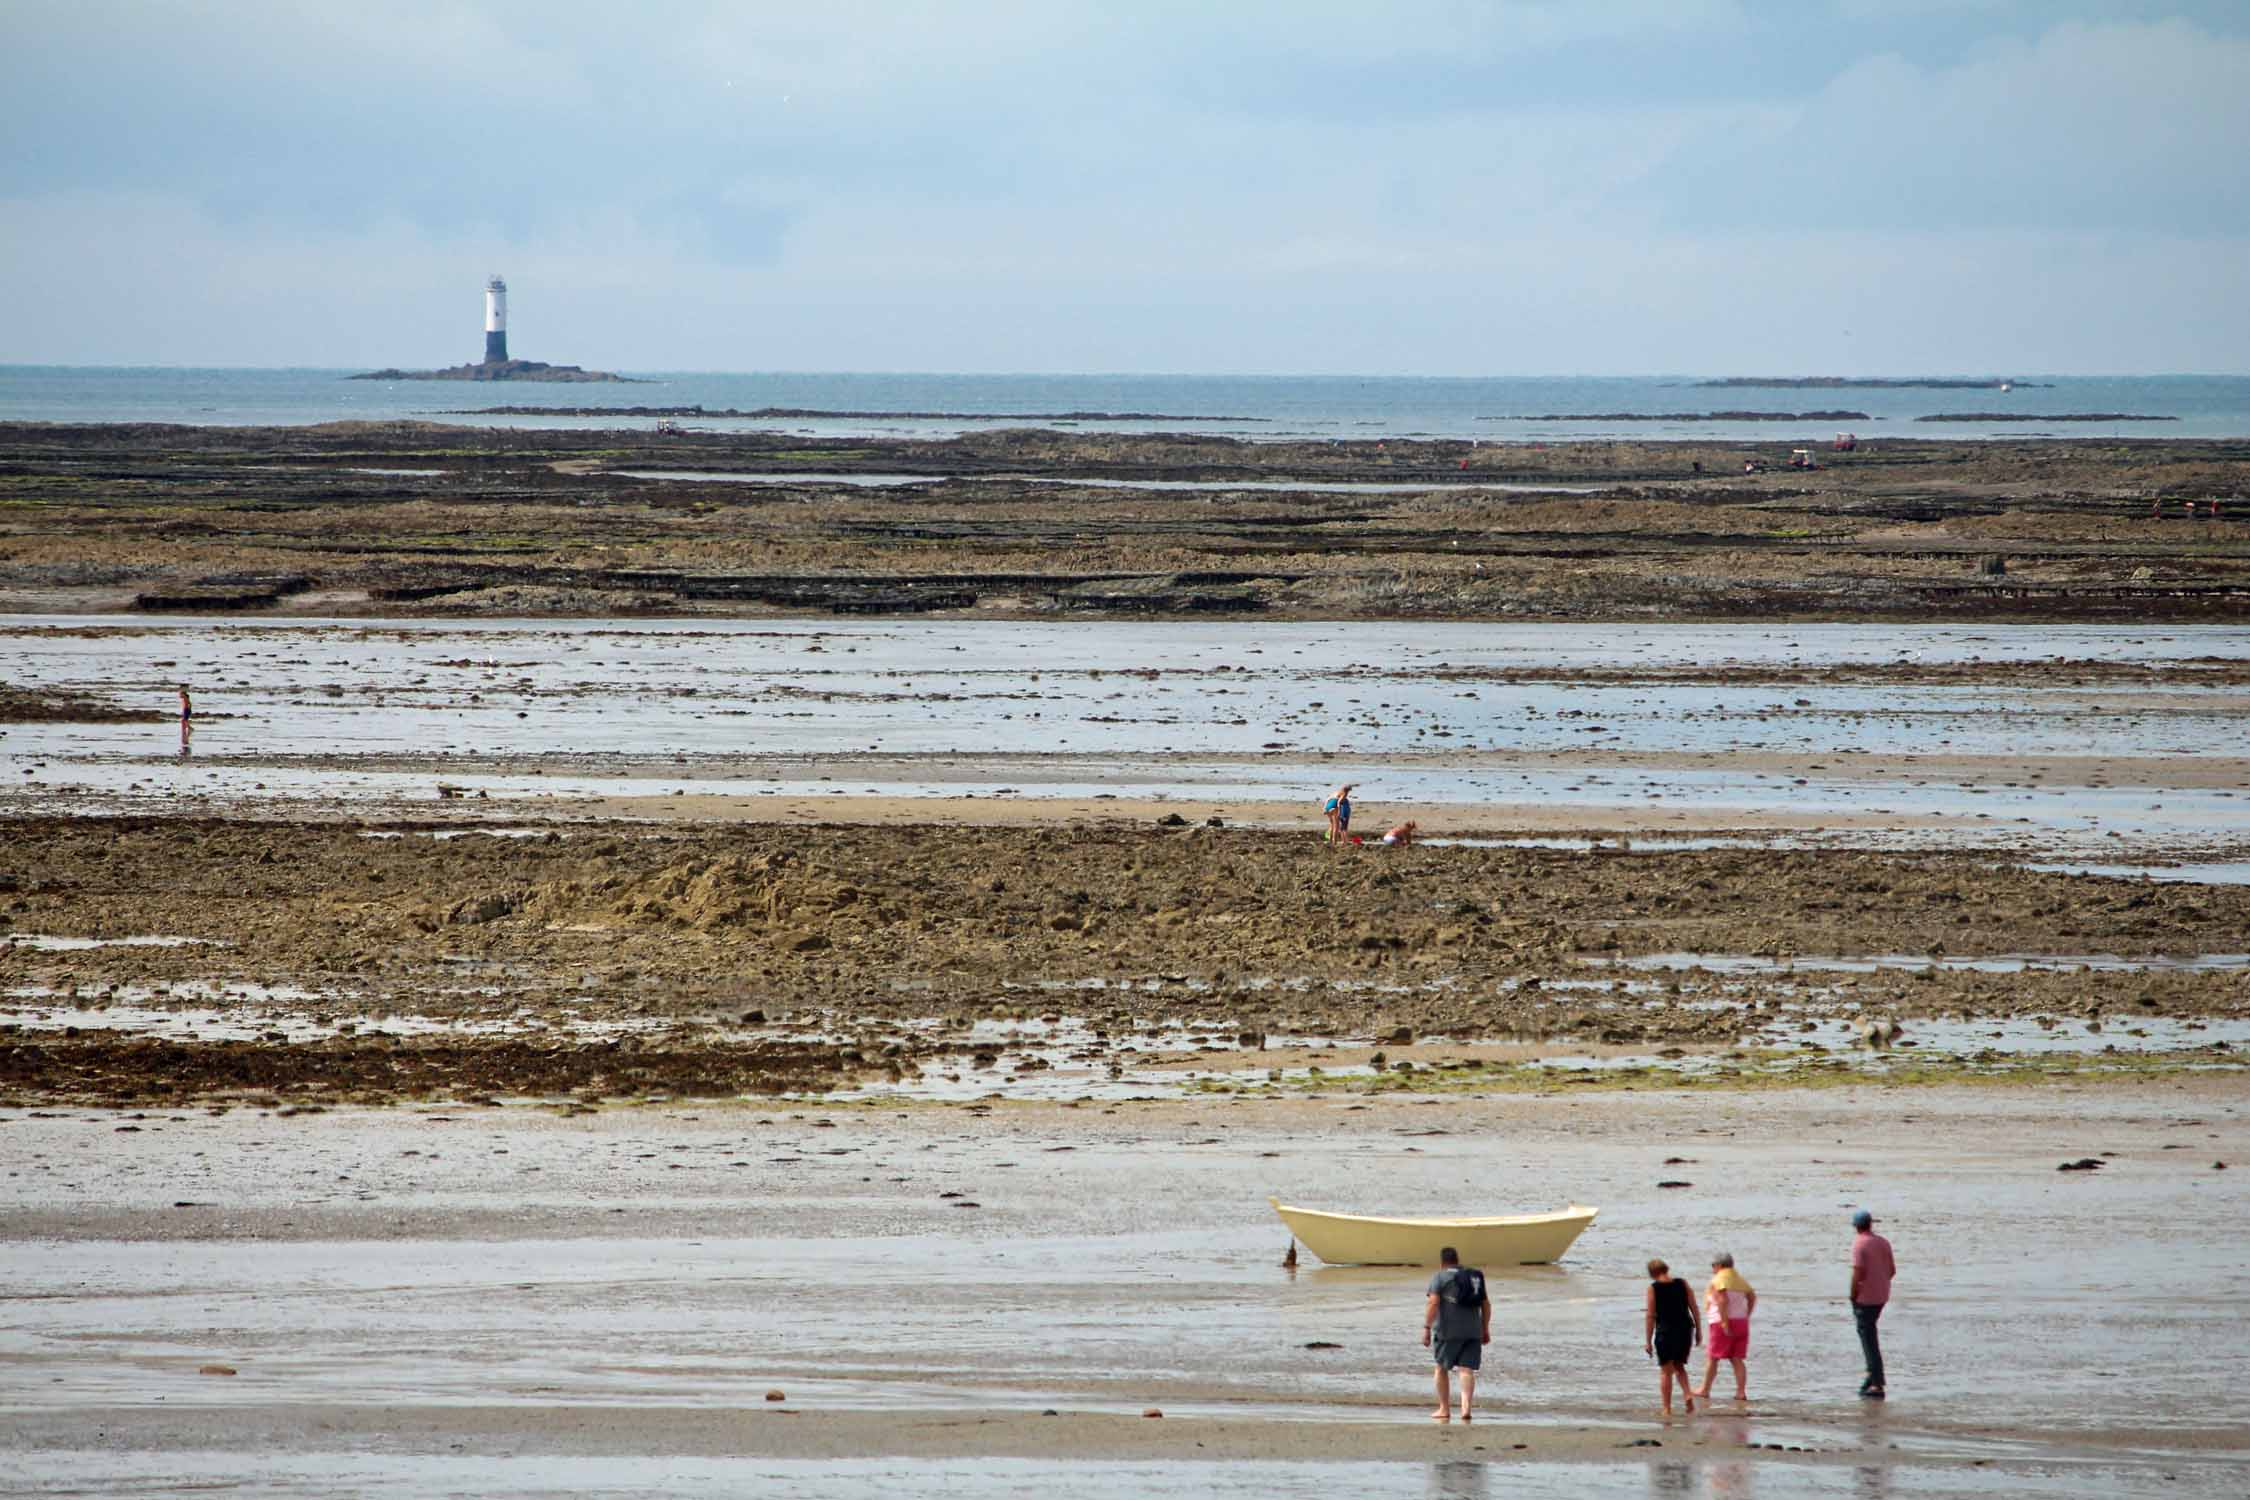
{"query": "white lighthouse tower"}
(496, 322)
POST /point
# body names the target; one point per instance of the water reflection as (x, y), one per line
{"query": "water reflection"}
(1460, 1479)
(1187, 709)
(1732, 1477)
(1726, 1479)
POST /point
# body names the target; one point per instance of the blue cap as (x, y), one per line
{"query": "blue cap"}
(1862, 1219)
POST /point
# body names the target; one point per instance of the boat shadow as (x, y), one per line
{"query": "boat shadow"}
(1344, 1277)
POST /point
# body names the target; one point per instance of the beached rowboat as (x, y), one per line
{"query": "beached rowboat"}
(1361, 1240)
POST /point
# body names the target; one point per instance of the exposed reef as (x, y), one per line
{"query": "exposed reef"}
(1865, 383)
(503, 369)
(1692, 416)
(38, 705)
(768, 413)
(399, 518)
(613, 961)
(2058, 416)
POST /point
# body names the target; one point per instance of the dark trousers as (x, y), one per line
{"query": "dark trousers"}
(1865, 1314)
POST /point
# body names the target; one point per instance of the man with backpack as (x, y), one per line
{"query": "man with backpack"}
(1460, 1315)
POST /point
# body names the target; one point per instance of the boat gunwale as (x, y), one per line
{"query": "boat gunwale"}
(1498, 1221)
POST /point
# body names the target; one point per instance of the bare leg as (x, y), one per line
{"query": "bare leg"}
(1664, 1388)
(1741, 1381)
(1710, 1369)
(1444, 1412)
(1468, 1393)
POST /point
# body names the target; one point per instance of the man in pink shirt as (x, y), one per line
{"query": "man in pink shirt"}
(1872, 1270)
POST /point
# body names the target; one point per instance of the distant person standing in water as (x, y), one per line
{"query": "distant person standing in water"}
(1668, 1332)
(1456, 1325)
(1872, 1269)
(1339, 811)
(187, 717)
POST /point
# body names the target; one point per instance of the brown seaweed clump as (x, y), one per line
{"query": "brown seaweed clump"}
(117, 1069)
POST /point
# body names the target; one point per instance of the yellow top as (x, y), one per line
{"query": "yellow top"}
(1728, 1279)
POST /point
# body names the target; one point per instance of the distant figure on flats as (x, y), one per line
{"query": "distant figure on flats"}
(1727, 1305)
(1402, 837)
(187, 715)
(1339, 811)
(1461, 1315)
(1668, 1331)
(1873, 1266)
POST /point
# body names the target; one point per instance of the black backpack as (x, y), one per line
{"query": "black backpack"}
(1468, 1287)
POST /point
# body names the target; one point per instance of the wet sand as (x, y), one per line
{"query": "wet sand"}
(1437, 819)
(2099, 744)
(406, 1288)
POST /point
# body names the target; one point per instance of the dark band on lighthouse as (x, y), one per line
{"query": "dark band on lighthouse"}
(496, 322)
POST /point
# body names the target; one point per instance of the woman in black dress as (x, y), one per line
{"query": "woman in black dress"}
(1669, 1329)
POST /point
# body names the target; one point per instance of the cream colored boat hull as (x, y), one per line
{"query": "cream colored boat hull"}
(1357, 1240)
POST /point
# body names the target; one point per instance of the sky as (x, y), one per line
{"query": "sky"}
(1577, 187)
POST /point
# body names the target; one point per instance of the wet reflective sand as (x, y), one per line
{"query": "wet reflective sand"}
(569, 1293)
(2099, 745)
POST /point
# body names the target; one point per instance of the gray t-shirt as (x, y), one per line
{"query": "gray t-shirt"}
(1453, 1320)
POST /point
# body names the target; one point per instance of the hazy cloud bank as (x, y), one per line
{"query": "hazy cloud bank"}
(1437, 189)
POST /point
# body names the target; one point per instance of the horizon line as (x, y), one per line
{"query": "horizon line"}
(1228, 374)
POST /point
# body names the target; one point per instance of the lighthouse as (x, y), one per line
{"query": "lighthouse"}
(496, 322)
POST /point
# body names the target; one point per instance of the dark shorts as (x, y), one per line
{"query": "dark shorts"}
(1459, 1354)
(1672, 1345)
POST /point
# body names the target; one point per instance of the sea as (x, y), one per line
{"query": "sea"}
(1517, 409)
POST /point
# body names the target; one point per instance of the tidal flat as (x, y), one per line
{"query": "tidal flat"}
(521, 1299)
(383, 518)
(556, 969)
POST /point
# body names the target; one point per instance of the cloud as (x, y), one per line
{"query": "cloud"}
(1036, 185)
(2085, 127)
